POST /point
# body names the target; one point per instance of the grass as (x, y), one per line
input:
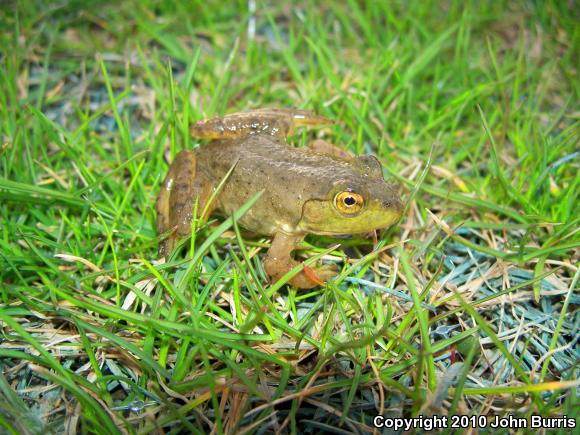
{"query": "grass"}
(468, 306)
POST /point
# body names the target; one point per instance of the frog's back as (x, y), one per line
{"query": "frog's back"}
(288, 176)
(264, 155)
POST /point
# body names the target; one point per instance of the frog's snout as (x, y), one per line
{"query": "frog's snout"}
(388, 204)
(400, 207)
(393, 205)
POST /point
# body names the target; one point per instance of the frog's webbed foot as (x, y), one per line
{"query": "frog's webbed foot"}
(274, 122)
(279, 261)
(182, 187)
(321, 274)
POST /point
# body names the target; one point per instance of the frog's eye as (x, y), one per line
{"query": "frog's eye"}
(348, 202)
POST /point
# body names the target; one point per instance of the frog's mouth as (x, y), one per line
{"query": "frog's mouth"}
(319, 217)
(346, 234)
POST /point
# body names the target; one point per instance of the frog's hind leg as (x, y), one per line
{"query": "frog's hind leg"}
(182, 187)
(366, 164)
(273, 122)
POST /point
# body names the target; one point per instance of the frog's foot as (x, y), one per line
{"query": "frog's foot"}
(182, 187)
(279, 262)
(273, 122)
(321, 274)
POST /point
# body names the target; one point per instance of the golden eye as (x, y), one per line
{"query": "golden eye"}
(348, 202)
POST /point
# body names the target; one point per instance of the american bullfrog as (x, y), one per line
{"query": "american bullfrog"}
(319, 189)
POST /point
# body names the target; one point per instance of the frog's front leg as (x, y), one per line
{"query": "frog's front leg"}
(279, 261)
(182, 187)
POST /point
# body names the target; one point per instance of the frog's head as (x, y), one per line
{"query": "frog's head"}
(360, 202)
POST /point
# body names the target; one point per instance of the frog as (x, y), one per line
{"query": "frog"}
(317, 189)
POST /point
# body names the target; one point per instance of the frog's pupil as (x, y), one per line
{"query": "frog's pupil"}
(349, 200)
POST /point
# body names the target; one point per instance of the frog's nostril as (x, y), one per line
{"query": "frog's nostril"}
(393, 205)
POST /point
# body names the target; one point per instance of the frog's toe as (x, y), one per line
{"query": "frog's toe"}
(326, 271)
(313, 277)
(276, 269)
(321, 274)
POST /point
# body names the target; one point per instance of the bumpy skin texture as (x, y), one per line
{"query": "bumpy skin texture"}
(300, 186)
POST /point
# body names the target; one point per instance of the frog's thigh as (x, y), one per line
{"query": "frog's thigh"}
(323, 147)
(188, 186)
(275, 122)
(176, 200)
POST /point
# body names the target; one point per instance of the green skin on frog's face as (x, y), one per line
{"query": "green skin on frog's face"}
(377, 206)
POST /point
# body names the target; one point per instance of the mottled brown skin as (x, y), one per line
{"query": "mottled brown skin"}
(301, 186)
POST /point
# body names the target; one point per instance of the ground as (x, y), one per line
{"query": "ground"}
(468, 306)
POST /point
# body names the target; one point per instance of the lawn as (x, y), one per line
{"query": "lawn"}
(468, 306)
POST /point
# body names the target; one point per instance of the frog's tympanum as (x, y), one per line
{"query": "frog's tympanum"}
(320, 189)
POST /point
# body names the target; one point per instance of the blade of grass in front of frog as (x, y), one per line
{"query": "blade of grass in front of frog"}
(252, 322)
(531, 389)
(496, 295)
(147, 361)
(515, 364)
(264, 298)
(260, 304)
(62, 376)
(112, 172)
(361, 262)
(294, 271)
(202, 216)
(422, 319)
(196, 258)
(217, 190)
(123, 127)
(469, 244)
(465, 199)
(474, 347)
(509, 190)
(231, 341)
(15, 412)
(63, 140)
(31, 192)
(185, 303)
(421, 179)
(89, 349)
(185, 91)
(365, 283)
(556, 334)
(248, 265)
(172, 328)
(203, 302)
